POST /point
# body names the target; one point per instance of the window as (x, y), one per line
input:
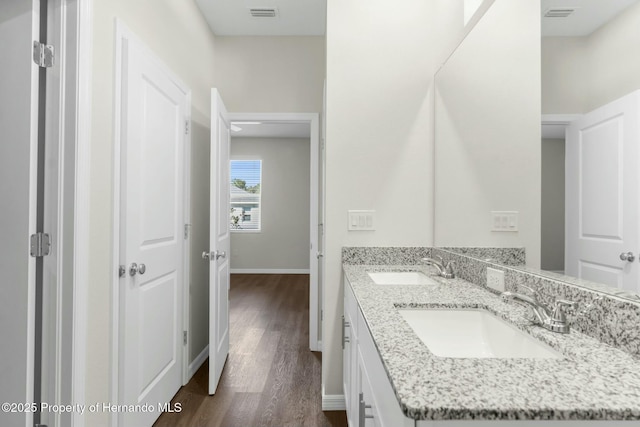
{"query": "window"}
(246, 180)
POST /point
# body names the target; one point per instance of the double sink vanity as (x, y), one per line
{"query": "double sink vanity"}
(420, 349)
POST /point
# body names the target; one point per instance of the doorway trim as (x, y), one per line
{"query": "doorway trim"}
(74, 31)
(558, 119)
(314, 158)
(83, 46)
(124, 35)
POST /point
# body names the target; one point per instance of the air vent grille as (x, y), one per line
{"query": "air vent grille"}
(263, 12)
(563, 12)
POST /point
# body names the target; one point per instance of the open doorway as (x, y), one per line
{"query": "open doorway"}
(552, 203)
(275, 203)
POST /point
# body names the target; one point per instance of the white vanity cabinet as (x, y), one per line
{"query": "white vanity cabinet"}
(370, 400)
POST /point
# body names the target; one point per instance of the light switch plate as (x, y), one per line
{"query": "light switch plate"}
(495, 279)
(504, 221)
(361, 220)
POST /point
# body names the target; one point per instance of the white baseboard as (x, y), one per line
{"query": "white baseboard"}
(197, 362)
(269, 271)
(333, 402)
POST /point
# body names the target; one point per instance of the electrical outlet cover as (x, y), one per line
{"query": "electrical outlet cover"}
(495, 279)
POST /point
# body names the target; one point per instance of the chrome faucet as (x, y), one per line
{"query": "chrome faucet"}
(554, 319)
(444, 270)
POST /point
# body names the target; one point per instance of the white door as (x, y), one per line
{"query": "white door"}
(154, 125)
(602, 194)
(18, 156)
(219, 241)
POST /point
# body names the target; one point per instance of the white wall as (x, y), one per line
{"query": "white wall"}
(564, 75)
(488, 132)
(271, 74)
(580, 74)
(379, 136)
(283, 242)
(179, 36)
(552, 205)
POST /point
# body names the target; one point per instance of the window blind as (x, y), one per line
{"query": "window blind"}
(245, 195)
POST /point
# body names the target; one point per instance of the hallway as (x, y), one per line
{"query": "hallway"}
(270, 378)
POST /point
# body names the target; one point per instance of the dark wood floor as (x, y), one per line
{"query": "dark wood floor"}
(270, 378)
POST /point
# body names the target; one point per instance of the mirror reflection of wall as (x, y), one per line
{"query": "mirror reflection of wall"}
(589, 59)
(487, 145)
(587, 66)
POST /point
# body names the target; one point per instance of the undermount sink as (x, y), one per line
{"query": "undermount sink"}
(401, 278)
(471, 333)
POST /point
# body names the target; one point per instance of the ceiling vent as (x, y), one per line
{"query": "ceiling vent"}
(263, 12)
(559, 12)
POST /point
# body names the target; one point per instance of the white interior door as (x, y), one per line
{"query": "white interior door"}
(18, 172)
(154, 126)
(219, 241)
(602, 194)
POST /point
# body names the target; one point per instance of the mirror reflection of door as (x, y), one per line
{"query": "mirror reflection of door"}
(602, 194)
(584, 68)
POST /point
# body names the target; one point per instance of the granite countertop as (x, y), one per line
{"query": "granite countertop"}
(593, 381)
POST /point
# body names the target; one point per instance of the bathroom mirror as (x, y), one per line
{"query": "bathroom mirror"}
(499, 174)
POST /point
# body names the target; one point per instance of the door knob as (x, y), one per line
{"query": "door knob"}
(627, 256)
(135, 269)
(214, 255)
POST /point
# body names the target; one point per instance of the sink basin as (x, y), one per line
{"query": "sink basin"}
(401, 278)
(473, 333)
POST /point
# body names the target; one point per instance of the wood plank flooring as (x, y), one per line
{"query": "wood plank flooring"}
(270, 378)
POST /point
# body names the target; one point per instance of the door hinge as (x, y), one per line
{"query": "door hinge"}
(43, 54)
(40, 244)
(186, 127)
(186, 230)
(321, 315)
(184, 337)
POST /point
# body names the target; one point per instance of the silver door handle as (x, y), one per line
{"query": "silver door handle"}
(135, 269)
(214, 255)
(319, 255)
(627, 256)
